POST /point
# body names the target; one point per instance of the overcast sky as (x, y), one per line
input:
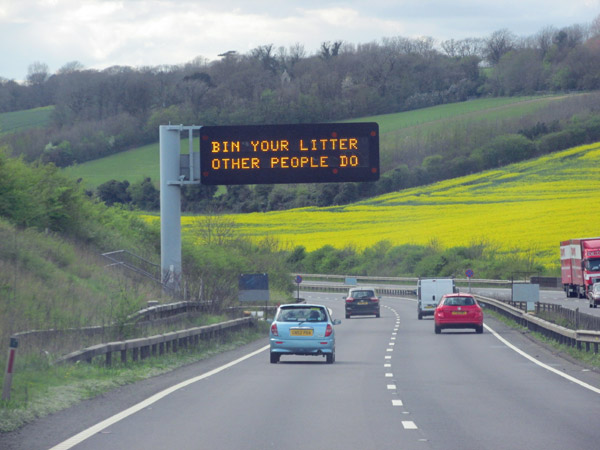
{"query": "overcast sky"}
(103, 33)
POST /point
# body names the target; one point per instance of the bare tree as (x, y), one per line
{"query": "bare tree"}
(498, 44)
(544, 38)
(424, 46)
(595, 27)
(266, 55)
(213, 229)
(70, 67)
(37, 73)
(450, 47)
(329, 50)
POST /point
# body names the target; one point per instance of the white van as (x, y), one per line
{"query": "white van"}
(429, 293)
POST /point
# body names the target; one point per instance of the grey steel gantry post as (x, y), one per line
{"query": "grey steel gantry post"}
(170, 206)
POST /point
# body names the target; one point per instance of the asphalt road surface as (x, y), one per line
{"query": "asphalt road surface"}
(395, 385)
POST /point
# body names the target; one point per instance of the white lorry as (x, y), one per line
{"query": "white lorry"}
(429, 293)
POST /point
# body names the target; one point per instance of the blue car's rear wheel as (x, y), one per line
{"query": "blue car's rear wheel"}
(275, 358)
(330, 357)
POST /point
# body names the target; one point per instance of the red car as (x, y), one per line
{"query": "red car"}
(458, 311)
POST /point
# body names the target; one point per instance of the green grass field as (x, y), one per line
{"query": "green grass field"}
(526, 208)
(20, 120)
(479, 109)
(133, 165)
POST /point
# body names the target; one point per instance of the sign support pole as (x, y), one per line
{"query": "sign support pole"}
(174, 174)
(170, 207)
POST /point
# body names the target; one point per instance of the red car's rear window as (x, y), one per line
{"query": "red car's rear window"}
(459, 301)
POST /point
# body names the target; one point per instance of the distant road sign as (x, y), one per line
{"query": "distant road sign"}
(469, 273)
(298, 279)
(299, 153)
(253, 287)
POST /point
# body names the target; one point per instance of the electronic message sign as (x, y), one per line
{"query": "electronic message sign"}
(300, 153)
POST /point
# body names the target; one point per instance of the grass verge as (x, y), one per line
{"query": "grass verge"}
(588, 359)
(42, 389)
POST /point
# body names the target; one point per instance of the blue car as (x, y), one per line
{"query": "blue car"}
(303, 329)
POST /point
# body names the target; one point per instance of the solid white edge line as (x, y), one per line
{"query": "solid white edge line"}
(541, 364)
(85, 434)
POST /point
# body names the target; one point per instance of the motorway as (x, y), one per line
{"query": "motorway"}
(395, 385)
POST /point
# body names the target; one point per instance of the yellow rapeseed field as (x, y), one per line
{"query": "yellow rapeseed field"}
(527, 207)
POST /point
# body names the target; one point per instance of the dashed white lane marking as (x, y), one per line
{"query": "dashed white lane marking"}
(85, 434)
(387, 365)
(406, 424)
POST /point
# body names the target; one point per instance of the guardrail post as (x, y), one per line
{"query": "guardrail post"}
(12, 350)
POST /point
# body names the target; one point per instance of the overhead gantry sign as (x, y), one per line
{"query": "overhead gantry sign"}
(278, 154)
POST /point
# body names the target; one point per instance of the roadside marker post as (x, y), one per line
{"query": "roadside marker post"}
(10, 363)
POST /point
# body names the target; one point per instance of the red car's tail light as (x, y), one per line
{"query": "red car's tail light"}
(329, 330)
(274, 331)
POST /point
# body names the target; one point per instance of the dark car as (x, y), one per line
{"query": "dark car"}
(458, 311)
(362, 301)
